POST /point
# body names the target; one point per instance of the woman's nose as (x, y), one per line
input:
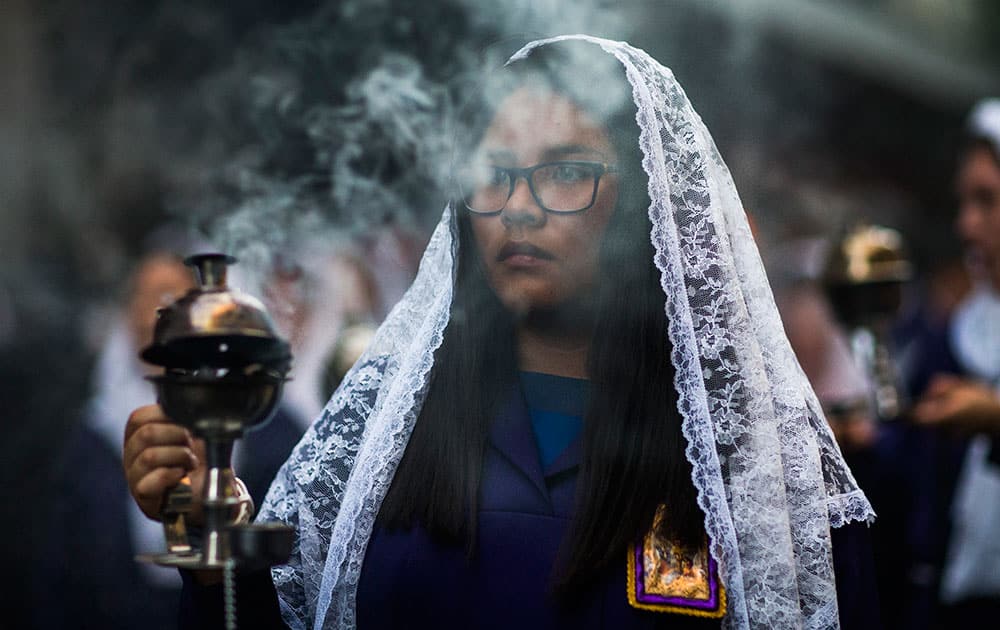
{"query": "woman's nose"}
(969, 222)
(521, 208)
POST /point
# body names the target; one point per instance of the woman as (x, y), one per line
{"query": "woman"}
(565, 421)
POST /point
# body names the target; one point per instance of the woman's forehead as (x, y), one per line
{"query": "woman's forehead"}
(532, 122)
(979, 165)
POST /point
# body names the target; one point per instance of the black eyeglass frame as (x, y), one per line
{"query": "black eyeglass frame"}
(513, 173)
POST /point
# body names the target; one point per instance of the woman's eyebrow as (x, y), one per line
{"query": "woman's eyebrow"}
(500, 155)
(550, 154)
(563, 150)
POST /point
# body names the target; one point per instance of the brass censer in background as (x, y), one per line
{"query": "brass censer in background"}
(224, 369)
(864, 280)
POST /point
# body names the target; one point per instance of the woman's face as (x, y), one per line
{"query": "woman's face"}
(978, 221)
(538, 260)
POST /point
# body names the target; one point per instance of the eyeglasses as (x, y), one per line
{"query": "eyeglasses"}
(560, 187)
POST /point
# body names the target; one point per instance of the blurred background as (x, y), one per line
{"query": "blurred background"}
(311, 139)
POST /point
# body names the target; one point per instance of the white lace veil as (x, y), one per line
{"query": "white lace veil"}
(769, 475)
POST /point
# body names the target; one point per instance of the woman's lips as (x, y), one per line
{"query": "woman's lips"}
(523, 255)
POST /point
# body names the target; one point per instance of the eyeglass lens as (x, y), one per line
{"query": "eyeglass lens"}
(559, 186)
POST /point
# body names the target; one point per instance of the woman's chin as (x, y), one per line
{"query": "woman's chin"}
(542, 310)
(518, 304)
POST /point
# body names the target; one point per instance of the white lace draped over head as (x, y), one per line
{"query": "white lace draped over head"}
(769, 475)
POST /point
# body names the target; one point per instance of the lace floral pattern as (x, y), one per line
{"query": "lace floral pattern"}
(332, 485)
(770, 477)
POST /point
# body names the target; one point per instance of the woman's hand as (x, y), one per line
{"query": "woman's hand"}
(959, 402)
(156, 456)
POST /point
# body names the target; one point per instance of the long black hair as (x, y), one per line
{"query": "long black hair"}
(633, 456)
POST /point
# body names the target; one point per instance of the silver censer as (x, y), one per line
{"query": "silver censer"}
(224, 369)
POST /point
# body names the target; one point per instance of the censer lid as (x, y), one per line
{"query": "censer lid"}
(214, 325)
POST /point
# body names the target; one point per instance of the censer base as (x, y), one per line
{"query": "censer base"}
(253, 545)
(191, 561)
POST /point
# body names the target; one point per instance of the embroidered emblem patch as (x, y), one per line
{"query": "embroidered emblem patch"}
(666, 577)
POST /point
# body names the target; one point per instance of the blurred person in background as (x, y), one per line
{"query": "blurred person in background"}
(89, 577)
(961, 403)
(972, 403)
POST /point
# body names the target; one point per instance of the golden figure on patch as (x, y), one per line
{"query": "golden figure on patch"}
(665, 576)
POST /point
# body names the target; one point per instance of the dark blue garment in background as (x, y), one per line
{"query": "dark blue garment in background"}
(87, 575)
